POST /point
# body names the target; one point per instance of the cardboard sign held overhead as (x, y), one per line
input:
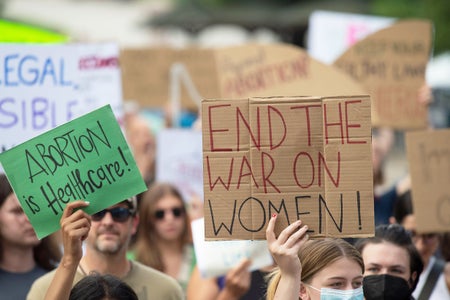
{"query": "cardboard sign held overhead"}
(303, 158)
(429, 162)
(244, 71)
(86, 158)
(391, 65)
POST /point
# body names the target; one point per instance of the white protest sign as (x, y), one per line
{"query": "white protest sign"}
(179, 160)
(100, 79)
(38, 90)
(44, 86)
(331, 33)
(216, 258)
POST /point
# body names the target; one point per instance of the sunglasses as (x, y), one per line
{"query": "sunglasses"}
(118, 214)
(176, 212)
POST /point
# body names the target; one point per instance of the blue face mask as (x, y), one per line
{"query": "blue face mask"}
(333, 294)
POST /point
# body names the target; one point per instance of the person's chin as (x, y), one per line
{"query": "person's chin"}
(108, 246)
(31, 240)
(108, 239)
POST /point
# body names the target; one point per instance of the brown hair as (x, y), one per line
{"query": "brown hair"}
(146, 249)
(47, 253)
(316, 255)
(398, 236)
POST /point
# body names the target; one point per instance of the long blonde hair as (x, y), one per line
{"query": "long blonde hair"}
(316, 255)
(146, 249)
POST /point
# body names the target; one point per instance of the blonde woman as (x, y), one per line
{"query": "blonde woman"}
(164, 238)
(312, 269)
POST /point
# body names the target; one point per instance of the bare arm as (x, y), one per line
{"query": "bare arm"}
(75, 227)
(201, 288)
(237, 283)
(284, 250)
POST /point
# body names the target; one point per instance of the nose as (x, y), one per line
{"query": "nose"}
(383, 271)
(349, 286)
(24, 218)
(107, 219)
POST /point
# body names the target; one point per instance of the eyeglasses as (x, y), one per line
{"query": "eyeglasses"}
(176, 212)
(118, 214)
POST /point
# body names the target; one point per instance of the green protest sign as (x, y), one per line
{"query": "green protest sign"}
(86, 158)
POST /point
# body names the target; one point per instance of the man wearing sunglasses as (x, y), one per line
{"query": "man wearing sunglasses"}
(106, 245)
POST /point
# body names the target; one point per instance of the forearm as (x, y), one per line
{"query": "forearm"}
(288, 288)
(228, 295)
(62, 282)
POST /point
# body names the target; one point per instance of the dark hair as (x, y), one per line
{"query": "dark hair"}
(403, 207)
(47, 253)
(397, 235)
(146, 249)
(5, 189)
(99, 287)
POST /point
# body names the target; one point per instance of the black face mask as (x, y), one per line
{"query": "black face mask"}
(386, 287)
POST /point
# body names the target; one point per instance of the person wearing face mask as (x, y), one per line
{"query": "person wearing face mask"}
(325, 269)
(392, 264)
(432, 281)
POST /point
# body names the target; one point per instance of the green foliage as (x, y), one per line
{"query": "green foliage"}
(437, 11)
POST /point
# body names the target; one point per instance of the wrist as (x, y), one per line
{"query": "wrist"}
(69, 262)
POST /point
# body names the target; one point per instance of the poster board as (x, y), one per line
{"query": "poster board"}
(43, 86)
(147, 79)
(216, 258)
(179, 161)
(331, 33)
(428, 155)
(230, 72)
(86, 158)
(303, 158)
(391, 65)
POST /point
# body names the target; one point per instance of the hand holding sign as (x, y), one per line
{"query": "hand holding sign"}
(284, 249)
(86, 158)
(75, 225)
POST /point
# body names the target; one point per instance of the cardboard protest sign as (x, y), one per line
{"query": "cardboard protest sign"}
(303, 158)
(216, 258)
(43, 86)
(147, 75)
(428, 155)
(154, 77)
(179, 160)
(86, 158)
(391, 65)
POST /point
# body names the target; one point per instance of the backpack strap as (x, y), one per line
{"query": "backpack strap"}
(432, 279)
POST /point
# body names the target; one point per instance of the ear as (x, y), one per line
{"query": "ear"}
(303, 295)
(134, 224)
(413, 278)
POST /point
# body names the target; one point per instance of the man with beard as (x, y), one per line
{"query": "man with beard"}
(105, 253)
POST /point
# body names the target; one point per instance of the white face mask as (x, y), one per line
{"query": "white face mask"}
(333, 294)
